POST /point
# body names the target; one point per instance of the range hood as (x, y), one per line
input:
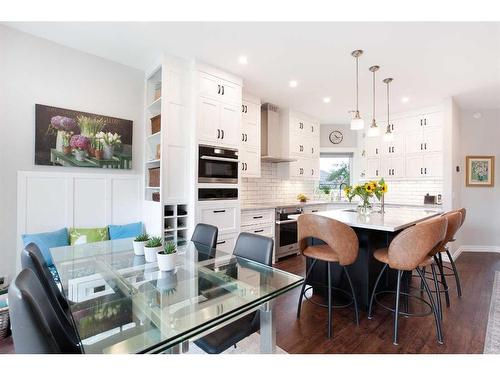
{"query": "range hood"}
(271, 135)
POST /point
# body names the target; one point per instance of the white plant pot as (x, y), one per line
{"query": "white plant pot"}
(139, 247)
(166, 262)
(79, 155)
(108, 151)
(151, 252)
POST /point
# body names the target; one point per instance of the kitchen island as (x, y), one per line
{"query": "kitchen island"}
(374, 231)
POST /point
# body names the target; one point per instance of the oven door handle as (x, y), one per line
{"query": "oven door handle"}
(216, 158)
(279, 222)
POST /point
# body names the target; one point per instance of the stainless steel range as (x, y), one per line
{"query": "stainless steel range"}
(286, 231)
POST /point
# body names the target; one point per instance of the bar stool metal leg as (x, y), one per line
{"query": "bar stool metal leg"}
(396, 309)
(443, 280)
(438, 292)
(304, 287)
(374, 290)
(436, 316)
(455, 273)
(329, 301)
(353, 296)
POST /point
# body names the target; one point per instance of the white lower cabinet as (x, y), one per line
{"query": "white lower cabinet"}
(259, 222)
(225, 216)
(226, 242)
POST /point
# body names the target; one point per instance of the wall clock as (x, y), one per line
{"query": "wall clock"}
(336, 137)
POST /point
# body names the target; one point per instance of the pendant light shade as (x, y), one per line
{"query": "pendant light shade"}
(373, 130)
(357, 123)
(389, 135)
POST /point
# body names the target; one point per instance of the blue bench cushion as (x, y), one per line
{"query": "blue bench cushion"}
(117, 232)
(47, 240)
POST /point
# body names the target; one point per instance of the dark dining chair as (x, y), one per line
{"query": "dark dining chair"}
(32, 258)
(205, 234)
(38, 325)
(255, 248)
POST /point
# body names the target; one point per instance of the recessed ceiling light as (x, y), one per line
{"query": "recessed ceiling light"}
(326, 99)
(477, 115)
(292, 83)
(405, 99)
(243, 60)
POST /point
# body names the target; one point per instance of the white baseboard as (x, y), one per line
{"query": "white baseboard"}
(472, 249)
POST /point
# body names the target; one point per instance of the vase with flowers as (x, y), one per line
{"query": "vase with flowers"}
(108, 141)
(66, 138)
(80, 144)
(59, 125)
(365, 192)
(90, 127)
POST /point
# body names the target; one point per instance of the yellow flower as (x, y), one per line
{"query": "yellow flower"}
(384, 188)
(369, 188)
(347, 190)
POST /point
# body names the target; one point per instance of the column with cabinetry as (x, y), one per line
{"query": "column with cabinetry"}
(250, 137)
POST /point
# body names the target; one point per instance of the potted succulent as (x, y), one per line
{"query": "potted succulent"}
(167, 257)
(80, 143)
(151, 248)
(139, 243)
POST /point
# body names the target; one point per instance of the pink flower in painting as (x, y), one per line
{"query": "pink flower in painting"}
(80, 142)
(64, 123)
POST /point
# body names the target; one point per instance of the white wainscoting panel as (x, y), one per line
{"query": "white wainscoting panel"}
(49, 201)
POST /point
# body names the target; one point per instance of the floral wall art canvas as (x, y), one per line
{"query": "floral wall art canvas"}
(480, 171)
(69, 138)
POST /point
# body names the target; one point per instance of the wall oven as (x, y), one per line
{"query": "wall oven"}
(286, 231)
(217, 165)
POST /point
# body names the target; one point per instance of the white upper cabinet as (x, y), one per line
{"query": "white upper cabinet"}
(393, 148)
(208, 120)
(219, 89)
(250, 137)
(424, 165)
(230, 125)
(373, 168)
(392, 168)
(372, 147)
(433, 139)
(249, 162)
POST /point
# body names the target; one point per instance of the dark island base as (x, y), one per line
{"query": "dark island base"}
(363, 272)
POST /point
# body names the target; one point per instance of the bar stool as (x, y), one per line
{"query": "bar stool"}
(341, 246)
(455, 221)
(409, 251)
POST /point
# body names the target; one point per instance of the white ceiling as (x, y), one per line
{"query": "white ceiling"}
(428, 61)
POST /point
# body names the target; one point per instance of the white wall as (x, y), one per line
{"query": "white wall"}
(33, 70)
(480, 137)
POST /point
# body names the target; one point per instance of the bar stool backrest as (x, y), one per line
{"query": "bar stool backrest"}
(412, 245)
(454, 222)
(463, 211)
(340, 237)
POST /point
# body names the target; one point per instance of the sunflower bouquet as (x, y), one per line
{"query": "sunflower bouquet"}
(366, 191)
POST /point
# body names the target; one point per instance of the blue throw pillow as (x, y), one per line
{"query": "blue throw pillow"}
(47, 240)
(117, 232)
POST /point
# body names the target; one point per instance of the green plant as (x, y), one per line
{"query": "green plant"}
(169, 248)
(142, 237)
(90, 126)
(366, 191)
(325, 189)
(154, 242)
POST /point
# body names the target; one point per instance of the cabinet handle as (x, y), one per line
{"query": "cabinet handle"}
(421, 170)
(219, 211)
(258, 231)
(246, 109)
(425, 121)
(243, 108)
(301, 125)
(393, 149)
(312, 150)
(389, 150)
(218, 89)
(376, 172)
(221, 242)
(392, 127)
(312, 129)
(425, 170)
(242, 137)
(222, 90)
(222, 131)
(246, 137)
(393, 172)
(258, 217)
(218, 133)
(421, 146)
(246, 167)
(421, 122)
(425, 146)
(242, 166)
(376, 151)
(312, 172)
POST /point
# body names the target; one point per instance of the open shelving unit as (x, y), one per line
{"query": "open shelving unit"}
(175, 222)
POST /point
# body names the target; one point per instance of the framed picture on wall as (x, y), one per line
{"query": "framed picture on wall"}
(70, 138)
(480, 171)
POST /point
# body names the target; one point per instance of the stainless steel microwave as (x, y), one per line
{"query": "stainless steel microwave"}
(217, 165)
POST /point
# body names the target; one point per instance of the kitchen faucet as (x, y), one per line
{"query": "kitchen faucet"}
(340, 189)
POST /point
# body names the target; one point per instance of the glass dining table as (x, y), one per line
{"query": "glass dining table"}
(122, 304)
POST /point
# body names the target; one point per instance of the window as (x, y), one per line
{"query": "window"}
(335, 170)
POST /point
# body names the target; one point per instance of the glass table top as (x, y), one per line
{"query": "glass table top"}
(121, 304)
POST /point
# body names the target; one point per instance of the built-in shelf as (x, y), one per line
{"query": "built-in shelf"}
(157, 134)
(153, 161)
(153, 187)
(175, 221)
(155, 106)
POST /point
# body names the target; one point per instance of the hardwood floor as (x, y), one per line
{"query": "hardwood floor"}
(464, 323)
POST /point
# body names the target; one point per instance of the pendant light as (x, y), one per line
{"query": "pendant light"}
(357, 123)
(389, 135)
(373, 130)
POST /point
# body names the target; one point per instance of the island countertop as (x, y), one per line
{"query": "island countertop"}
(393, 220)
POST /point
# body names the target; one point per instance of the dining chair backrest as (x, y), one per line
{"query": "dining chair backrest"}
(32, 258)
(340, 237)
(410, 247)
(254, 247)
(205, 234)
(37, 328)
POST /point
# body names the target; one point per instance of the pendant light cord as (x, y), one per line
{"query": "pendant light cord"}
(373, 96)
(357, 86)
(388, 123)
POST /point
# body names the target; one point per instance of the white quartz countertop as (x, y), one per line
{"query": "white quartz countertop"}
(394, 219)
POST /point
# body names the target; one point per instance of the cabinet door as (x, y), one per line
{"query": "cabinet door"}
(225, 217)
(311, 129)
(208, 120)
(298, 126)
(414, 166)
(225, 243)
(251, 112)
(433, 164)
(397, 126)
(373, 147)
(433, 139)
(312, 169)
(373, 168)
(250, 162)
(397, 145)
(250, 125)
(230, 125)
(414, 123)
(314, 147)
(385, 168)
(230, 92)
(209, 86)
(299, 145)
(398, 167)
(432, 120)
(414, 142)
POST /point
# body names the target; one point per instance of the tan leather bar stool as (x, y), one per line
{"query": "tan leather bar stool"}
(455, 221)
(409, 251)
(453, 268)
(341, 246)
